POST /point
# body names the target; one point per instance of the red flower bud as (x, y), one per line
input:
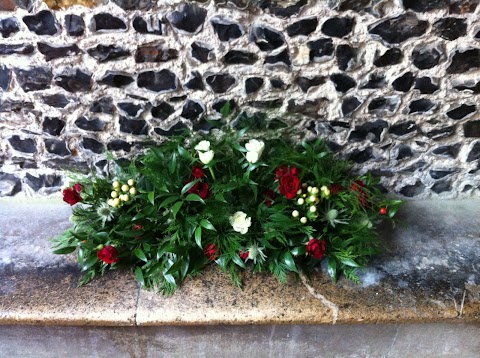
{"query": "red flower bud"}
(336, 188)
(244, 255)
(108, 254)
(197, 172)
(270, 195)
(316, 248)
(211, 252)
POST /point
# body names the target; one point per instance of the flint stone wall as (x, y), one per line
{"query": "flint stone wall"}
(391, 85)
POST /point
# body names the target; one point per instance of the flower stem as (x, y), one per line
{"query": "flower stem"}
(211, 172)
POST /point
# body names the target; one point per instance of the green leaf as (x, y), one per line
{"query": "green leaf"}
(194, 197)
(170, 279)
(222, 262)
(176, 207)
(189, 186)
(332, 268)
(175, 267)
(140, 254)
(299, 250)
(173, 163)
(90, 262)
(198, 236)
(289, 262)
(207, 225)
(225, 110)
(349, 262)
(158, 152)
(168, 201)
(185, 265)
(139, 275)
(220, 197)
(65, 250)
(151, 197)
(128, 233)
(183, 152)
(236, 258)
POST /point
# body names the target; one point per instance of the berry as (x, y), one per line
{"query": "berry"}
(383, 211)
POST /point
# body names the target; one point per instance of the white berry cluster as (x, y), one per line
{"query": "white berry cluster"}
(122, 193)
(308, 201)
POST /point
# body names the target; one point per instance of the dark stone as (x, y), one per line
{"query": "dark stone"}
(116, 79)
(371, 131)
(463, 6)
(420, 165)
(439, 174)
(441, 133)
(5, 77)
(253, 84)
(133, 126)
(43, 23)
(346, 57)
(462, 111)
(131, 109)
(105, 53)
(195, 82)
(118, 144)
(392, 56)
(401, 129)
(53, 52)
(188, 18)
(334, 147)
(355, 5)
(302, 27)
(463, 61)
(281, 11)
(17, 49)
(176, 129)
(404, 151)
(58, 147)
(93, 125)
(34, 79)
(450, 28)
(149, 25)
(382, 104)
(43, 181)
(8, 26)
(56, 100)
(221, 103)
(361, 156)
(15, 106)
(162, 111)
(265, 38)
(342, 82)
(276, 124)
(398, 29)
(346, 125)
(254, 121)
(53, 126)
(449, 151)
(426, 56)
(192, 110)
(426, 86)
(175, 99)
(413, 190)
(468, 87)
(201, 53)
(267, 104)
(421, 106)
(471, 129)
(309, 108)
(349, 105)
(104, 22)
(103, 105)
(319, 49)
(9, 184)
(134, 4)
(75, 25)
(155, 53)
(375, 80)
(77, 81)
(27, 145)
(93, 145)
(220, 82)
(226, 30)
(277, 83)
(404, 82)
(425, 5)
(441, 187)
(282, 58)
(305, 83)
(239, 57)
(474, 153)
(158, 81)
(338, 26)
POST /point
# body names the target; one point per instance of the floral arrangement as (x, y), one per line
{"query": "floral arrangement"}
(256, 203)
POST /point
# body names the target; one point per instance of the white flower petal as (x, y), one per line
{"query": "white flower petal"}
(203, 146)
(252, 157)
(206, 157)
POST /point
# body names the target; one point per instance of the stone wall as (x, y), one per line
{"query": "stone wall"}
(390, 84)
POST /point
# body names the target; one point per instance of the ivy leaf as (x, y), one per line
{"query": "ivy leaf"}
(349, 262)
(198, 236)
(289, 262)
(176, 207)
(65, 250)
(189, 186)
(236, 258)
(139, 275)
(332, 268)
(140, 254)
(207, 225)
(194, 197)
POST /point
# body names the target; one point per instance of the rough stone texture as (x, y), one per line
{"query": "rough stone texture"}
(412, 64)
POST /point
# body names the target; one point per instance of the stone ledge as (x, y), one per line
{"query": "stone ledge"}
(422, 277)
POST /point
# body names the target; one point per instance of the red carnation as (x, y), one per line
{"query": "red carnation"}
(336, 189)
(270, 195)
(78, 187)
(210, 251)
(197, 172)
(71, 195)
(316, 248)
(289, 185)
(108, 255)
(201, 189)
(244, 255)
(281, 171)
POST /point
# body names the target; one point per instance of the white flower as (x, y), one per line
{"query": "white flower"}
(240, 222)
(254, 150)
(206, 157)
(203, 146)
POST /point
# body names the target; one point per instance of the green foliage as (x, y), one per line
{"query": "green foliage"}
(165, 229)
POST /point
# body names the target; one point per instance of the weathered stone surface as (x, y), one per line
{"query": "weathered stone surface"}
(267, 104)
(24, 145)
(392, 56)
(176, 129)
(57, 100)
(381, 105)
(464, 61)
(277, 8)
(192, 110)
(134, 4)
(398, 29)
(18, 49)
(155, 53)
(350, 105)
(474, 88)
(74, 80)
(303, 27)
(104, 22)
(266, 38)
(463, 6)
(219, 105)
(5, 77)
(43, 23)
(14, 106)
(306, 83)
(220, 82)
(450, 28)
(338, 26)
(448, 151)
(277, 83)
(195, 82)
(320, 50)
(413, 190)
(440, 133)
(347, 57)
(253, 84)
(53, 125)
(93, 125)
(103, 105)
(149, 25)
(471, 129)
(105, 53)
(56, 51)
(375, 80)
(425, 5)
(158, 81)
(441, 187)
(426, 86)
(188, 19)
(427, 56)
(371, 131)
(93, 145)
(235, 57)
(130, 109)
(439, 173)
(404, 82)
(75, 25)
(119, 144)
(116, 79)
(57, 147)
(421, 106)
(162, 111)
(403, 128)
(361, 155)
(43, 181)
(461, 112)
(9, 26)
(404, 151)
(133, 126)
(282, 59)
(226, 30)
(34, 79)
(342, 82)
(9, 184)
(355, 5)
(202, 52)
(474, 153)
